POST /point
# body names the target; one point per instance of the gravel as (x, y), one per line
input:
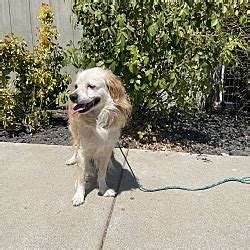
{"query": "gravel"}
(204, 133)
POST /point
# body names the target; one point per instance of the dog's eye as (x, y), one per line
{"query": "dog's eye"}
(76, 86)
(91, 86)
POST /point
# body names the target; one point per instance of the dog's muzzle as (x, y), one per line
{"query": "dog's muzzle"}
(84, 107)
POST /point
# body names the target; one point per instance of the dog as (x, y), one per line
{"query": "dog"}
(98, 109)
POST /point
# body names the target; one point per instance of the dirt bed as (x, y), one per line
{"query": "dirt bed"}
(203, 133)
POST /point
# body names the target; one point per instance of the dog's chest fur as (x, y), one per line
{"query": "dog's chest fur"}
(95, 139)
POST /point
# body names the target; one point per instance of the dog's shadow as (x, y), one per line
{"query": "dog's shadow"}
(118, 178)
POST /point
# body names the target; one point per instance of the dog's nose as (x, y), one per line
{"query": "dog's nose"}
(73, 97)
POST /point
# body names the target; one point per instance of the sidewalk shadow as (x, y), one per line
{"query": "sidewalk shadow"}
(118, 178)
(126, 180)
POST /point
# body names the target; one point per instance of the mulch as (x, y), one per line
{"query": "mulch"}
(203, 133)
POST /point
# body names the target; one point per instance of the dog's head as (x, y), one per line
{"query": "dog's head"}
(94, 89)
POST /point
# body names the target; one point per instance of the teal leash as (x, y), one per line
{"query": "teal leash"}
(244, 180)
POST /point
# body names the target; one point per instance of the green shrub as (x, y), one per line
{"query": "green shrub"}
(165, 52)
(38, 84)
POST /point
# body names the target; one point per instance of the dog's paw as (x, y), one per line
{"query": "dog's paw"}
(78, 199)
(110, 193)
(71, 161)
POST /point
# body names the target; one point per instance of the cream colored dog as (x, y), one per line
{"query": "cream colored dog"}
(99, 108)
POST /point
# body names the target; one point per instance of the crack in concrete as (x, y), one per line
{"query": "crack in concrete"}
(113, 205)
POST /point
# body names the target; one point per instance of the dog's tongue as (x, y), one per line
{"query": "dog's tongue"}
(77, 108)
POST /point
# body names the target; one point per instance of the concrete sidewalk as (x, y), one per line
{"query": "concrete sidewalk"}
(36, 209)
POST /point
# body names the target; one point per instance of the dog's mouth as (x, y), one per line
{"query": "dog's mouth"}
(84, 107)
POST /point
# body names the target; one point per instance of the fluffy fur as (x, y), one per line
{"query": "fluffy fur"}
(99, 108)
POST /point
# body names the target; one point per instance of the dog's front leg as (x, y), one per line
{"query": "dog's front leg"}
(75, 138)
(102, 164)
(78, 198)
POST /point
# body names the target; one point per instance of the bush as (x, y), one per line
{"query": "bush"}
(38, 84)
(165, 52)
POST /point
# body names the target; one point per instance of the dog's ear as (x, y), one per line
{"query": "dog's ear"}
(118, 94)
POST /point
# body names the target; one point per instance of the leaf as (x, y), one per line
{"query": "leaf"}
(181, 12)
(243, 19)
(172, 75)
(155, 84)
(153, 28)
(100, 63)
(109, 61)
(146, 60)
(141, 134)
(121, 19)
(130, 28)
(131, 68)
(133, 49)
(112, 66)
(190, 2)
(136, 87)
(165, 38)
(162, 83)
(149, 74)
(214, 21)
(125, 35)
(149, 103)
(224, 9)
